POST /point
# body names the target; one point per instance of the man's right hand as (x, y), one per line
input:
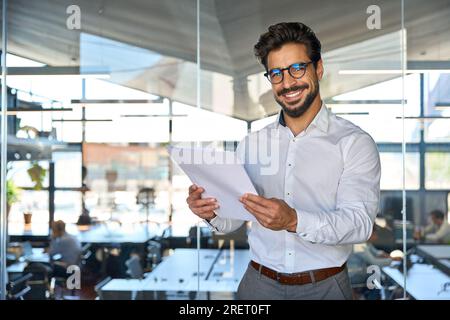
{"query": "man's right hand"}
(204, 208)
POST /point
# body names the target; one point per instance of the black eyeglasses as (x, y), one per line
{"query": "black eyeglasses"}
(296, 71)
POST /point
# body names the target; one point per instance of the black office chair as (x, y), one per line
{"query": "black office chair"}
(58, 283)
(98, 287)
(134, 267)
(17, 288)
(39, 282)
(154, 254)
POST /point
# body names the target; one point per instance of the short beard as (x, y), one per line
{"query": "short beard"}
(301, 109)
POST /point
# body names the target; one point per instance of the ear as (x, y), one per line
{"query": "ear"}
(319, 69)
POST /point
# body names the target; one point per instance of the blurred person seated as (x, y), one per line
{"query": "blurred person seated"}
(368, 253)
(363, 256)
(437, 231)
(65, 245)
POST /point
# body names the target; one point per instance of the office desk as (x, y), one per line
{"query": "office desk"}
(220, 272)
(37, 255)
(104, 235)
(435, 251)
(122, 289)
(438, 255)
(17, 267)
(423, 282)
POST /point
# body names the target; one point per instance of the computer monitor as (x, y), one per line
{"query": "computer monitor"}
(398, 232)
(392, 208)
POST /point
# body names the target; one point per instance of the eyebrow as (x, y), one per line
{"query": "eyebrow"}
(301, 62)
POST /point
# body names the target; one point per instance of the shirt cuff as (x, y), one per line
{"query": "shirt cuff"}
(307, 225)
(211, 224)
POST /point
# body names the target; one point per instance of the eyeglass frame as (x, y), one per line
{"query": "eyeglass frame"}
(304, 64)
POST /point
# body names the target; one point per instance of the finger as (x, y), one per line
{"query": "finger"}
(258, 199)
(261, 218)
(197, 194)
(257, 213)
(196, 189)
(202, 202)
(206, 209)
(256, 206)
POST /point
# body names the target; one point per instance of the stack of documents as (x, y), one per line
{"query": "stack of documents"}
(222, 176)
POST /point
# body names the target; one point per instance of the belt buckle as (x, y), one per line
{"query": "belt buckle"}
(277, 275)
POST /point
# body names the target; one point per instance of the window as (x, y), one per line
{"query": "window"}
(391, 171)
(437, 170)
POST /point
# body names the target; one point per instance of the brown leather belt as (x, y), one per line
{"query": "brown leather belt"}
(297, 278)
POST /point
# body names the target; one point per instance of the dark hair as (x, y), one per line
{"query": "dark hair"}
(438, 214)
(285, 32)
(59, 226)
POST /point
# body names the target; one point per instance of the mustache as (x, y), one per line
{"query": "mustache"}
(292, 89)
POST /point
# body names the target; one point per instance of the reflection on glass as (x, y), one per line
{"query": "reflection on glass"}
(437, 170)
(391, 164)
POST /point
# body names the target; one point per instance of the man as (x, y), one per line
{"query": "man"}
(65, 245)
(438, 231)
(324, 196)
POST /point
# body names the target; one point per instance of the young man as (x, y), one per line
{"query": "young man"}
(438, 231)
(324, 196)
(66, 245)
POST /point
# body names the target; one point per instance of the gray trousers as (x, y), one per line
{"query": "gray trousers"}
(256, 286)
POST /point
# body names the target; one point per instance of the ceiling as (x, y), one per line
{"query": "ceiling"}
(151, 45)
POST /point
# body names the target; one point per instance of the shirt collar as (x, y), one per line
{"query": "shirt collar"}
(320, 121)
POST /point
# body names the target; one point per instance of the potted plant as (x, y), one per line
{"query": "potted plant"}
(37, 174)
(12, 195)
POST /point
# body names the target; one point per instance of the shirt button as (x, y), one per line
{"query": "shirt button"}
(289, 165)
(303, 234)
(288, 193)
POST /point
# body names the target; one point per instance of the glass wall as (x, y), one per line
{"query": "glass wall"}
(97, 91)
(362, 83)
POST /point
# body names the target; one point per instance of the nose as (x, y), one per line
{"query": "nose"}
(288, 81)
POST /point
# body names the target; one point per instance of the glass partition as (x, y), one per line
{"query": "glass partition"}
(363, 82)
(94, 90)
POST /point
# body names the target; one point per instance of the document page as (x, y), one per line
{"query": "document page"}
(222, 176)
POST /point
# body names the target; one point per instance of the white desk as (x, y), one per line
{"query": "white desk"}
(423, 282)
(217, 273)
(220, 272)
(435, 251)
(122, 289)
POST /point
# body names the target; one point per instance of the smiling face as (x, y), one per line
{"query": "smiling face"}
(295, 96)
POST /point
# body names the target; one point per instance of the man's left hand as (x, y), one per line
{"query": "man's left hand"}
(274, 214)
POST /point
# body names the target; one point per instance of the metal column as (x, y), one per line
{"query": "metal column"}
(4, 143)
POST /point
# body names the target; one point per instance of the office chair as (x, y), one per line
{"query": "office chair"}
(154, 253)
(98, 287)
(39, 282)
(58, 283)
(16, 289)
(134, 268)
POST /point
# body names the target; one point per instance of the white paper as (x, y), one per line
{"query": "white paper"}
(221, 175)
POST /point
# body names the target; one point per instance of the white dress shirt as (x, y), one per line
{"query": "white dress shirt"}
(438, 234)
(329, 173)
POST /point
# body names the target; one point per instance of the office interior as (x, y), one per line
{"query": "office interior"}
(95, 91)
